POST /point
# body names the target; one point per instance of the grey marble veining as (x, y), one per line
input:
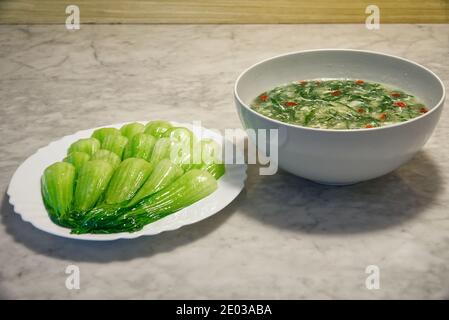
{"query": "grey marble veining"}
(283, 237)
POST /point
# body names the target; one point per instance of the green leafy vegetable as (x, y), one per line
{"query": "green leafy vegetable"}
(180, 135)
(182, 155)
(217, 170)
(210, 151)
(88, 145)
(188, 189)
(58, 183)
(211, 158)
(93, 180)
(161, 150)
(102, 133)
(157, 128)
(163, 174)
(129, 130)
(140, 146)
(77, 158)
(130, 175)
(108, 156)
(185, 149)
(115, 143)
(165, 169)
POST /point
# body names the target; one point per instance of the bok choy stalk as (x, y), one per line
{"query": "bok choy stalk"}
(210, 151)
(129, 130)
(163, 174)
(215, 169)
(161, 151)
(101, 133)
(88, 145)
(181, 135)
(188, 189)
(184, 155)
(115, 143)
(185, 149)
(58, 183)
(93, 179)
(140, 146)
(107, 156)
(211, 155)
(157, 128)
(77, 158)
(127, 179)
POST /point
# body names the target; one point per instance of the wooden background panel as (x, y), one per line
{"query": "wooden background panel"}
(223, 11)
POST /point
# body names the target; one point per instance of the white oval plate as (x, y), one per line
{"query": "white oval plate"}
(25, 191)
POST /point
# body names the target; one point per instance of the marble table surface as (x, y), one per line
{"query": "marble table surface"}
(283, 237)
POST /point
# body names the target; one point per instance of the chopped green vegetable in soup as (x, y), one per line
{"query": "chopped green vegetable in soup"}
(338, 104)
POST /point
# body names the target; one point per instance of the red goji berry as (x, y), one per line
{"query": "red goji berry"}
(336, 93)
(263, 97)
(400, 104)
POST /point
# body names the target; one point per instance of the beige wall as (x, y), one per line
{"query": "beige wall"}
(224, 11)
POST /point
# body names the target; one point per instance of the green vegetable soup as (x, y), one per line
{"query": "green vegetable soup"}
(338, 104)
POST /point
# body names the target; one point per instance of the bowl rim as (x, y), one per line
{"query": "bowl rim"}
(438, 105)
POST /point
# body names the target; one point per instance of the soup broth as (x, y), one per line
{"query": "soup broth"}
(338, 104)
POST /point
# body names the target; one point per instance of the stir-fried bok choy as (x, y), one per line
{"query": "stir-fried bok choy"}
(119, 180)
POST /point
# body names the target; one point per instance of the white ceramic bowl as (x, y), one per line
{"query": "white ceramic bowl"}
(342, 156)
